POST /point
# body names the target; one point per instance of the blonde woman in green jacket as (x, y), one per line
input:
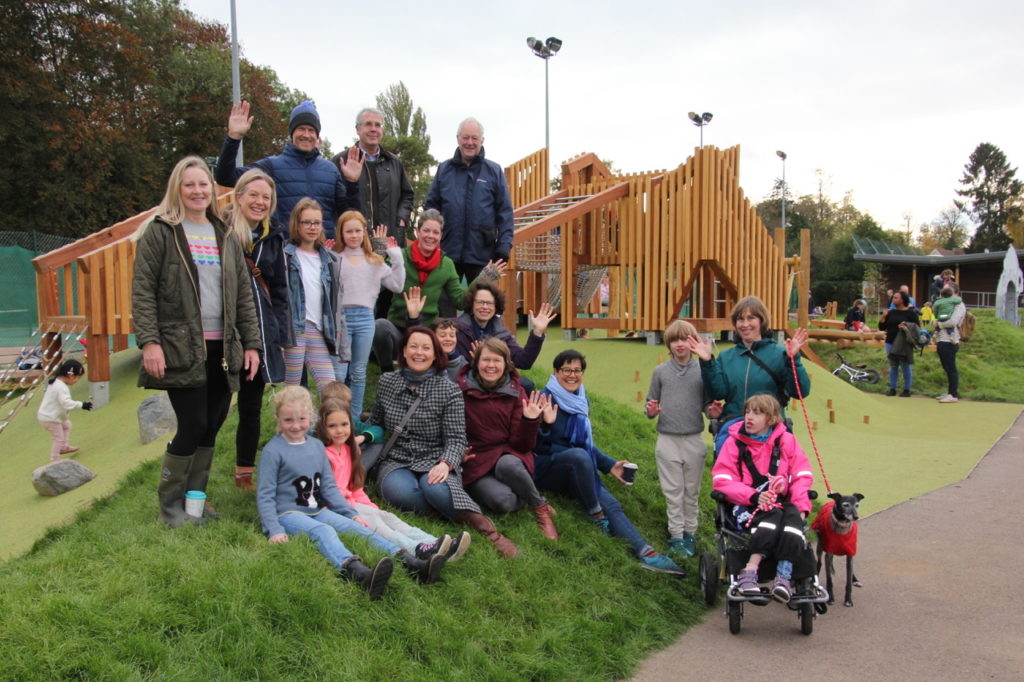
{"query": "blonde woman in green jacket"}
(196, 324)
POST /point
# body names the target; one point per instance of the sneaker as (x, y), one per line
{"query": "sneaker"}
(676, 547)
(603, 524)
(659, 563)
(905, 393)
(782, 590)
(68, 450)
(891, 391)
(690, 544)
(940, 397)
(746, 583)
(425, 550)
(458, 547)
(949, 399)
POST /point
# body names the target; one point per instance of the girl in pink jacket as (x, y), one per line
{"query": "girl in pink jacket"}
(763, 471)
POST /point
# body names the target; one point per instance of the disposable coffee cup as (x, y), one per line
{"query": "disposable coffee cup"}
(629, 472)
(195, 501)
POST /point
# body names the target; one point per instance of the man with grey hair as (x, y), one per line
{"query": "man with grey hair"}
(384, 186)
(472, 195)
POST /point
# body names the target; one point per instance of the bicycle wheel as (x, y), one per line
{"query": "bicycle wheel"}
(871, 376)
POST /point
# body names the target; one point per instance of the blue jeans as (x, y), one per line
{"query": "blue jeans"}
(571, 472)
(323, 530)
(409, 491)
(894, 370)
(359, 321)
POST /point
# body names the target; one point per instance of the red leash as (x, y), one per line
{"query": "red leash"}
(807, 421)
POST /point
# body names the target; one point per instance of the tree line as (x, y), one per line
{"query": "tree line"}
(989, 194)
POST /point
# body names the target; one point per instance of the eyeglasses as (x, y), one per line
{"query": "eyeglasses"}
(311, 223)
(484, 304)
(571, 371)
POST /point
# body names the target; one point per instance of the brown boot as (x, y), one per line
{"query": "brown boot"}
(543, 514)
(243, 479)
(485, 527)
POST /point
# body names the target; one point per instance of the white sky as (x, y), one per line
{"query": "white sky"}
(889, 98)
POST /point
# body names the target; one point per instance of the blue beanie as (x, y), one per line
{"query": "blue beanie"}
(304, 115)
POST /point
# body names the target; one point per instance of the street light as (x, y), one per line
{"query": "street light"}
(545, 50)
(782, 155)
(700, 120)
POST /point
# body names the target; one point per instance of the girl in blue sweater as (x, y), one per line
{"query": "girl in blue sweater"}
(297, 495)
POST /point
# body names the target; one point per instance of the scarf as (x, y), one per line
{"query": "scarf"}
(577, 426)
(417, 377)
(424, 264)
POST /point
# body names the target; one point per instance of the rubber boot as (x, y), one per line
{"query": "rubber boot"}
(372, 580)
(543, 514)
(243, 479)
(199, 476)
(485, 527)
(425, 571)
(171, 490)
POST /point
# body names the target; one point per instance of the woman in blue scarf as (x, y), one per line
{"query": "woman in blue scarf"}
(568, 462)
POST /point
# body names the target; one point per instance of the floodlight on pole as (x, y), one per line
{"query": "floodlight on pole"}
(701, 120)
(545, 50)
(782, 155)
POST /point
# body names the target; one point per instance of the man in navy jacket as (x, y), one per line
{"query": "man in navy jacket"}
(472, 195)
(299, 170)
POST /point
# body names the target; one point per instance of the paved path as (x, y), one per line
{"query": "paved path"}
(941, 601)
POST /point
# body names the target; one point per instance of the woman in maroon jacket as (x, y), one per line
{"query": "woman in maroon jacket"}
(501, 426)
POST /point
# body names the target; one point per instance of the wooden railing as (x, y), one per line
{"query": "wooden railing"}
(528, 178)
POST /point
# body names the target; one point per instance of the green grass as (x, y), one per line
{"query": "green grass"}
(989, 364)
(116, 595)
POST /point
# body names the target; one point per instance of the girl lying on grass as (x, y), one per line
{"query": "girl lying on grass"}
(297, 495)
(334, 428)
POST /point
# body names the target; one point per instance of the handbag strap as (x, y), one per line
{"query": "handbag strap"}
(401, 426)
(784, 397)
(257, 275)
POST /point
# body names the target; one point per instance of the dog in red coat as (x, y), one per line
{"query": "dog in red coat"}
(836, 525)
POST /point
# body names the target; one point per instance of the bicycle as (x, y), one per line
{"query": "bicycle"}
(855, 373)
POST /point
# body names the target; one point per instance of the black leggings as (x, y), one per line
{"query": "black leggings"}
(778, 533)
(201, 410)
(250, 404)
(947, 356)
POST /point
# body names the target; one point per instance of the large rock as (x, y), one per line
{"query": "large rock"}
(156, 418)
(60, 476)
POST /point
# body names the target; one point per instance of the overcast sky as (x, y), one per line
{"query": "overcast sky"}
(887, 98)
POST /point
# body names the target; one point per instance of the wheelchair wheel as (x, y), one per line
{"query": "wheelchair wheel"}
(709, 578)
(735, 615)
(871, 376)
(807, 618)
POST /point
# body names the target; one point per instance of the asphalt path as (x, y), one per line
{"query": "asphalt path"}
(941, 597)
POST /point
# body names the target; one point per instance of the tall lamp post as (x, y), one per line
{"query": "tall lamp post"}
(701, 120)
(545, 50)
(236, 85)
(782, 155)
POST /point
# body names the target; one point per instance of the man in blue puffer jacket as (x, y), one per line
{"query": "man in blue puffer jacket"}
(298, 170)
(472, 195)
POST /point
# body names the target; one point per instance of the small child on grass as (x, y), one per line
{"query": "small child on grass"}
(297, 495)
(676, 398)
(334, 429)
(770, 496)
(57, 403)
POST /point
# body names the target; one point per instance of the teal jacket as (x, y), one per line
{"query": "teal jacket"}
(733, 376)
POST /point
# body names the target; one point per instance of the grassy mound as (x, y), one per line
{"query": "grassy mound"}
(116, 595)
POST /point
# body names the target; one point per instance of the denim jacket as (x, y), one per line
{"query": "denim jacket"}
(332, 319)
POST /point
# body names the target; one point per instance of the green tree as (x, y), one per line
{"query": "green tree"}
(989, 188)
(946, 231)
(405, 134)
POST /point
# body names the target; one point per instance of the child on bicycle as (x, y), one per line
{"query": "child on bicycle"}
(762, 470)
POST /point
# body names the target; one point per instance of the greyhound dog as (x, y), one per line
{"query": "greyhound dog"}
(836, 525)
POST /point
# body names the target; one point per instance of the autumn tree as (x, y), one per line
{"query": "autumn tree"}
(947, 231)
(405, 134)
(989, 187)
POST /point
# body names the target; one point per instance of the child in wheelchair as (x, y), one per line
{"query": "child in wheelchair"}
(762, 470)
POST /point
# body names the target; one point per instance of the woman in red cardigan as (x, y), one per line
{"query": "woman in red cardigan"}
(501, 426)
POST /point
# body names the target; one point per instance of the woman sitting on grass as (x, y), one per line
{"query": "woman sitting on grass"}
(420, 469)
(568, 462)
(297, 495)
(501, 425)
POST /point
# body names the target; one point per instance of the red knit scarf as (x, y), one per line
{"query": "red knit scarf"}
(424, 264)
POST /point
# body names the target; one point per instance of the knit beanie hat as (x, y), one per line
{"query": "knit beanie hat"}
(304, 115)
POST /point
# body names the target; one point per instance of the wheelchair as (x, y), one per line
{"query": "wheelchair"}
(809, 598)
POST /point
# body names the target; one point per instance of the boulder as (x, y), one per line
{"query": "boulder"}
(156, 418)
(60, 476)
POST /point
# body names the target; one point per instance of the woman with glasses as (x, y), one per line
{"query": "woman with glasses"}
(567, 461)
(501, 427)
(318, 329)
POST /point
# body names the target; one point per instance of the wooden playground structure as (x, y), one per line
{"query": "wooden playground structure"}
(661, 244)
